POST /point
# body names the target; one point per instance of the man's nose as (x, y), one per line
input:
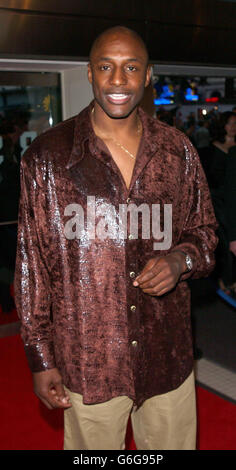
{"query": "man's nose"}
(118, 76)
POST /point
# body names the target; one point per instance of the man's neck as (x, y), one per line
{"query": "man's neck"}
(115, 126)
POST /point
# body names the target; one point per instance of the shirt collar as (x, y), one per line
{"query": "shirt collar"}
(83, 131)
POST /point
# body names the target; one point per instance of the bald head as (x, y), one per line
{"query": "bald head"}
(118, 71)
(116, 33)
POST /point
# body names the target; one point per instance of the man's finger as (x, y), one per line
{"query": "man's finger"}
(148, 273)
(61, 396)
(149, 265)
(159, 290)
(51, 401)
(154, 281)
(45, 401)
(55, 402)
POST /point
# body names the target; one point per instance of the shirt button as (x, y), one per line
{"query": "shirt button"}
(131, 237)
(132, 274)
(133, 308)
(134, 343)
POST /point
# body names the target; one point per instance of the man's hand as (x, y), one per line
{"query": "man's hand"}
(160, 275)
(48, 387)
(232, 247)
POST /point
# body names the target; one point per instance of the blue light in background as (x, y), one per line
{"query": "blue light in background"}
(189, 96)
(158, 101)
(166, 92)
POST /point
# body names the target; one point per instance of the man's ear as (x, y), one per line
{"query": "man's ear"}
(148, 75)
(89, 73)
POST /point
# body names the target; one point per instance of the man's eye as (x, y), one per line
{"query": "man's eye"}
(131, 68)
(104, 67)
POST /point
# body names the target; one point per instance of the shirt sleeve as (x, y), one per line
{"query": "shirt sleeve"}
(31, 279)
(198, 237)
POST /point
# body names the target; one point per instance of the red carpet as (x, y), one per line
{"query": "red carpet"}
(28, 424)
(216, 422)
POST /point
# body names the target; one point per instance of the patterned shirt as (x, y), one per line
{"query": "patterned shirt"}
(77, 259)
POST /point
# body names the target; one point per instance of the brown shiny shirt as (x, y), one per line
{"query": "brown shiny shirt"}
(78, 307)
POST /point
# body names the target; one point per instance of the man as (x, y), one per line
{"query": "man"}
(105, 316)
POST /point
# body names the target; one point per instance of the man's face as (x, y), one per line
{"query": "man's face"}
(118, 72)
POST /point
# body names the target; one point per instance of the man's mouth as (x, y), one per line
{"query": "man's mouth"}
(118, 98)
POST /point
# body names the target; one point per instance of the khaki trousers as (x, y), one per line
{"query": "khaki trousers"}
(163, 422)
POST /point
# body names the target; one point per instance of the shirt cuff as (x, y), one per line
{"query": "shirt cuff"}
(40, 356)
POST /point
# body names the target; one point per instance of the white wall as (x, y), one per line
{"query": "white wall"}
(76, 91)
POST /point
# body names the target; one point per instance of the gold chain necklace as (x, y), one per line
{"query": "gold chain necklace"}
(115, 141)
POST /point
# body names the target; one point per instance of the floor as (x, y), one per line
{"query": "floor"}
(214, 326)
(216, 378)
